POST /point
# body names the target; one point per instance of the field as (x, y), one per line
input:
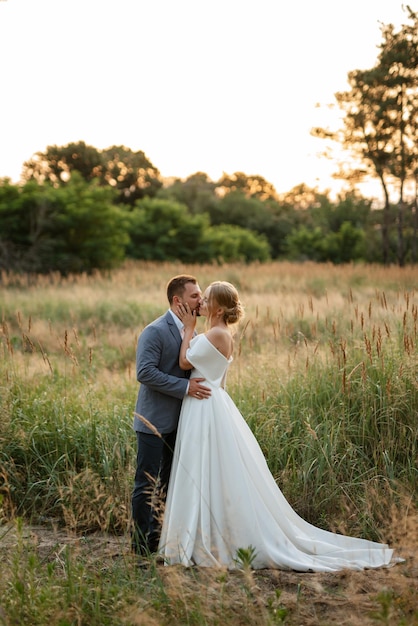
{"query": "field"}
(325, 373)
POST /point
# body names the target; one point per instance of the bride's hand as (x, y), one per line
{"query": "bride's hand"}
(187, 316)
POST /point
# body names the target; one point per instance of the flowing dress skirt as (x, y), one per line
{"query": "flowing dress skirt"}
(222, 498)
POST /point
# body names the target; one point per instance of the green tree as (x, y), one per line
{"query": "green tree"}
(347, 208)
(56, 164)
(228, 243)
(241, 210)
(302, 197)
(16, 226)
(74, 228)
(305, 244)
(163, 230)
(380, 121)
(197, 192)
(86, 230)
(235, 204)
(264, 217)
(313, 244)
(324, 224)
(399, 59)
(351, 208)
(130, 173)
(253, 186)
(345, 245)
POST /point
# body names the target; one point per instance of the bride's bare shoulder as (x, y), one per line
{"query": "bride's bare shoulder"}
(221, 339)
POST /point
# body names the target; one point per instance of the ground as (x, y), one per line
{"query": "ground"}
(388, 596)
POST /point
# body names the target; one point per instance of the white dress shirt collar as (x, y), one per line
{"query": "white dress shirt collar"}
(177, 322)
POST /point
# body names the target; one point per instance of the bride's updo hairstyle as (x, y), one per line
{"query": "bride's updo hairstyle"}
(223, 294)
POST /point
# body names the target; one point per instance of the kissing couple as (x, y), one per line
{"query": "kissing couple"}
(215, 489)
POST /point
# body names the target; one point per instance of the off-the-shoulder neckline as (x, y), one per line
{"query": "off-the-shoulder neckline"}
(214, 347)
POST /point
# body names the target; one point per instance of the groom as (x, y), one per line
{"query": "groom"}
(163, 385)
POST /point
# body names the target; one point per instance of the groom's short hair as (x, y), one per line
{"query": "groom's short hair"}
(176, 285)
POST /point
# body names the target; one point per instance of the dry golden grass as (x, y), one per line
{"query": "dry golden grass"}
(175, 595)
(298, 316)
(286, 305)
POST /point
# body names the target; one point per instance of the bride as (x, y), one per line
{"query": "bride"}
(221, 497)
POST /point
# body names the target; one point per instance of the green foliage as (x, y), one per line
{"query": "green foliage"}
(85, 231)
(86, 584)
(227, 243)
(350, 244)
(65, 451)
(348, 420)
(330, 216)
(74, 222)
(75, 228)
(60, 588)
(341, 437)
(343, 246)
(56, 164)
(238, 209)
(257, 211)
(197, 192)
(250, 186)
(304, 244)
(244, 557)
(131, 174)
(380, 126)
(163, 230)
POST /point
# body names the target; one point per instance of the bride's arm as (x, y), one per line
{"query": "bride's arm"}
(188, 318)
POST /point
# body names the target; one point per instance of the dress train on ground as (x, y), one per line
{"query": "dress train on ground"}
(222, 496)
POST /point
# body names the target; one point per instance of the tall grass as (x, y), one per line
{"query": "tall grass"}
(326, 380)
(325, 373)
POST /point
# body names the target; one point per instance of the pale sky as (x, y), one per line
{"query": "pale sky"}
(215, 86)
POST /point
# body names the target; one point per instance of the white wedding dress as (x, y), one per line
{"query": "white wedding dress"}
(222, 496)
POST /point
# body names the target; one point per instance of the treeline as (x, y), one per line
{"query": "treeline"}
(79, 209)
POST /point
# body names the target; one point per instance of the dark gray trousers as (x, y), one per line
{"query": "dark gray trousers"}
(153, 466)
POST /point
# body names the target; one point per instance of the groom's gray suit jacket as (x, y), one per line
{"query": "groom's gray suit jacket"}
(163, 384)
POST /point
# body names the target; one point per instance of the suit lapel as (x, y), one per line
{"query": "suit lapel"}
(173, 328)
